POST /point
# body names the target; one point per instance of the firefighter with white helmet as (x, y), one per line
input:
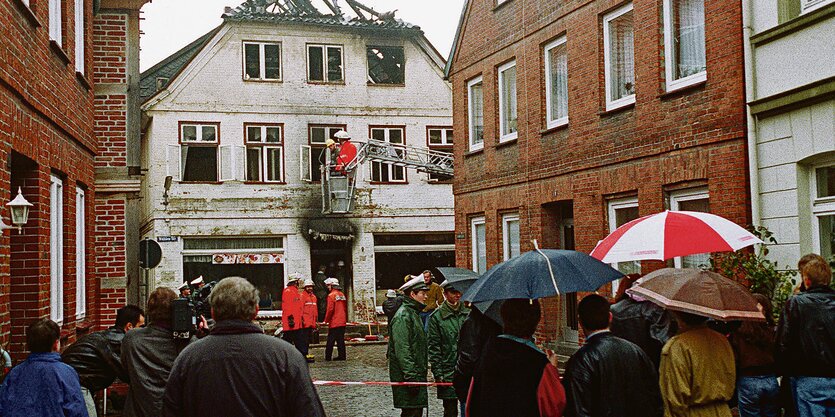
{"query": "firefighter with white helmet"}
(347, 151)
(309, 312)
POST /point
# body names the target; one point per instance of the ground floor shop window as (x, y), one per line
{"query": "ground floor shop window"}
(268, 279)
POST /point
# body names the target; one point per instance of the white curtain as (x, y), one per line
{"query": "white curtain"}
(477, 111)
(622, 70)
(558, 59)
(690, 37)
(509, 98)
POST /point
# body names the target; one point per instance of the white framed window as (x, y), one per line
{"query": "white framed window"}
(262, 61)
(55, 24)
(264, 152)
(823, 208)
(556, 83)
(620, 212)
(439, 139)
(619, 57)
(510, 235)
(387, 172)
(684, 43)
(56, 249)
(478, 235)
(313, 155)
(199, 151)
(80, 253)
(691, 200)
(507, 102)
(324, 63)
(475, 113)
(79, 36)
(807, 6)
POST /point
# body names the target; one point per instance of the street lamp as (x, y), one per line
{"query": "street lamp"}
(19, 209)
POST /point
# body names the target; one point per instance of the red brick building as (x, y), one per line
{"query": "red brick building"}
(581, 115)
(52, 54)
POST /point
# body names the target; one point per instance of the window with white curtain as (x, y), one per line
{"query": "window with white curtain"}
(80, 253)
(684, 42)
(510, 235)
(478, 234)
(475, 106)
(55, 24)
(691, 200)
(556, 82)
(56, 249)
(823, 208)
(507, 102)
(79, 36)
(619, 57)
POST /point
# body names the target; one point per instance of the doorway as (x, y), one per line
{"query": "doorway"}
(559, 225)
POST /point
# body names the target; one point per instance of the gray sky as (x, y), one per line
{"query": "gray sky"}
(171, 24)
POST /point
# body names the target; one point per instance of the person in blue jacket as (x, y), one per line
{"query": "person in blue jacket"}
(42, 385)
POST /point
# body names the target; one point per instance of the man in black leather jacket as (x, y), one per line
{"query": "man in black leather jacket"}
(476, 331)
(644, 324)
(96, 356)
(806, 340)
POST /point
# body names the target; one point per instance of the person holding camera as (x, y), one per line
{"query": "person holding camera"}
(237, 370)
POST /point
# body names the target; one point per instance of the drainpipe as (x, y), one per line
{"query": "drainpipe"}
(750, 95)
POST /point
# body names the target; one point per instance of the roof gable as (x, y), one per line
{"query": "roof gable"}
(171, 66)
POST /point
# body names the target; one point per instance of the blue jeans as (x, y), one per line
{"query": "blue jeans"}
(814, 396)
(424, 316)
(758, 396)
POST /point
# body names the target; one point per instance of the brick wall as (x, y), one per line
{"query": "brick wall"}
(110, 256)
(111, 130)
(110, 44)
(666, 141)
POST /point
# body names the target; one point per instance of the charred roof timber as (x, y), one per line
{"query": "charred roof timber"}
(327, 13)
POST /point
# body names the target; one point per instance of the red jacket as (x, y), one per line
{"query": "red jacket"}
(336, 314)
(309, 310)
(347, 153)
(291, 306)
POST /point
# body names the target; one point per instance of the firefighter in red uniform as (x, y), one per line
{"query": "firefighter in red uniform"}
(347, 151)
(309, 312)
(291, 310)
(336, 316)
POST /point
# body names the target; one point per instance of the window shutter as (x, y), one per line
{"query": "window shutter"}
(239, 163)
(227, 164)
(174, 168)
(305, 167)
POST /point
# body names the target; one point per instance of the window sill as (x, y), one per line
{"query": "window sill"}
(59, 51)
(553, 129)
(326, 82)
(388, 183)
(201, 182)
(264, 182)
(259, 80)
(83, 81)
(473, 152)
(507, 142)
(370, 84)
(794, 25)
(682, 89)
(616, 110)
(27, 13)
(440, 182)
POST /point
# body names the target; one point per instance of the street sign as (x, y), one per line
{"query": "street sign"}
(167, 238)
(150, 254)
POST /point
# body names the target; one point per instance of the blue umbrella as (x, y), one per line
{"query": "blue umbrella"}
(541, 273)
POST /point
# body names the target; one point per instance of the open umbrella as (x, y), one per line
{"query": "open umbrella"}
(541, 273)
(698, 292)
(461, 279)
(671, 234)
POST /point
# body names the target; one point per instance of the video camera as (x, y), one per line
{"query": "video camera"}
(186, 312)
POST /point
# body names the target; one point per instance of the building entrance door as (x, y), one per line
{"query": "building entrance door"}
(570, 330)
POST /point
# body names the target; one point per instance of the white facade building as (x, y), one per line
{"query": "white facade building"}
(790, 69)
(237, 120)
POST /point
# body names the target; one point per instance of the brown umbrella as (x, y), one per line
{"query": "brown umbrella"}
(698, 292)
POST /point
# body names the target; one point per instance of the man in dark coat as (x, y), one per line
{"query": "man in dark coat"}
(96, 356)
(477, 330)
(392, 303)
(806, 340)
(513, 376)
(321, 291)
(609, 376)
(237, 370)
(644, 324)
(407, 351)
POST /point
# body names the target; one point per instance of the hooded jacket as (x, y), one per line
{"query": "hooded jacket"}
(407, 355)
(96, 358)
(442, 332)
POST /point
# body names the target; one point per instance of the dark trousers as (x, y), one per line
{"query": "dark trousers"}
(411, 412)
(303, 340)
(450, 408)
(335, 335)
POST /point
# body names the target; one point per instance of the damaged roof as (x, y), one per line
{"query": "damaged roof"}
(328, 13)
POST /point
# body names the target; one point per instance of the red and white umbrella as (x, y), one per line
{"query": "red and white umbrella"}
(672, 234)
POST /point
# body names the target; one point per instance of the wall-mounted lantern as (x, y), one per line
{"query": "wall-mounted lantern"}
(19, 209)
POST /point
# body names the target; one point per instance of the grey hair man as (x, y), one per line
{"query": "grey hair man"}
(237, 369)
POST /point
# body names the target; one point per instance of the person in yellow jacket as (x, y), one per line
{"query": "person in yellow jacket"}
(434, 297)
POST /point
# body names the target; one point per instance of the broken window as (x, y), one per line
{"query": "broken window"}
(264, 153)
(386, 65)
(262, 61)
(324, 63)
(198, 152)
(387, 171)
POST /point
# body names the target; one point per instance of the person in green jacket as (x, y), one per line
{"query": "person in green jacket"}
(407, 351)
(442, 333)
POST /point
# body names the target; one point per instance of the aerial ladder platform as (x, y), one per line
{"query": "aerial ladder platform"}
(338, 188)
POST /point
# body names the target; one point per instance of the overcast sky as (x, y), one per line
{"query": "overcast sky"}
(171, 24)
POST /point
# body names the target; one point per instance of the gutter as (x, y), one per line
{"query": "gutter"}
(750, 95)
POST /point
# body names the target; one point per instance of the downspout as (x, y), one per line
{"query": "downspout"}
(750, 95)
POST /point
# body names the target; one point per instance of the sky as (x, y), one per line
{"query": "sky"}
(169, 25)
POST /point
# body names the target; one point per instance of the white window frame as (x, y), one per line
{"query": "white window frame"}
(677, 197)
(445, 142)
(199, 127)
(56, 249)
(506, 220)
(264, 148)
(262, 56)
(821, 206)
(80, 253)
(559, 121)
(325, 56)
(55, 23)
(612, 207)
(199, 141)
(477, 221)
(669, 55)
(512, 135)
(623, 101)
(79, 36)
(389, 165)
(474, 146)
(807, 6)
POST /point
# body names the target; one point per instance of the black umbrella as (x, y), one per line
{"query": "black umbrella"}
(461, 279)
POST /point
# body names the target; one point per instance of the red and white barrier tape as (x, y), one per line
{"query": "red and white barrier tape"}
(384, 383)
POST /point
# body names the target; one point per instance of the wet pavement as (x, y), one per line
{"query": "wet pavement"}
(365, 363)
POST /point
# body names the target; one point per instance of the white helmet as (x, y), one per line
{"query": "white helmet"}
(342, 135)
(308, 283)
(331, 281)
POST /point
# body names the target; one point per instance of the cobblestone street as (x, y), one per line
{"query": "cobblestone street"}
(365, 363)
